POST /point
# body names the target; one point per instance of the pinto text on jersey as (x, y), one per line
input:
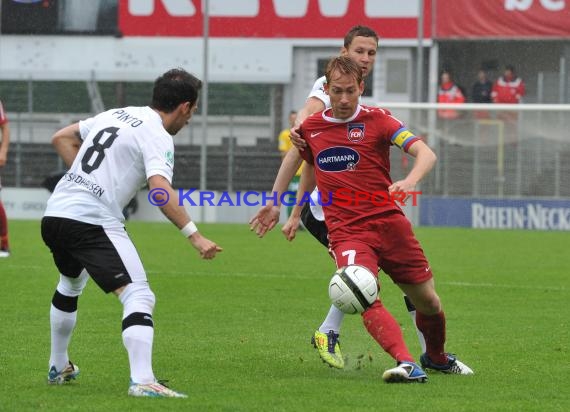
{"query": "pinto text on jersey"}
(123, 116)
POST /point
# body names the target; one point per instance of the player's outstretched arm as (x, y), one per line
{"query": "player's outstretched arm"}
(178, 215)
(267, 217)
(425, 159)
(307, 184)
(67, 142)
(291, 162)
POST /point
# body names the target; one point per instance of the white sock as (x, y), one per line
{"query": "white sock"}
(412, 311)
(138, 342)
(62, 325)
(332, 321)
(418, 332)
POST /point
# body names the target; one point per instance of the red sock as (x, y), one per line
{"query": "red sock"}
(3, 228)
(385, 330)
(433, 328)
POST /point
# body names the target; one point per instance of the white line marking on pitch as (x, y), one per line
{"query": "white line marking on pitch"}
(493, 285)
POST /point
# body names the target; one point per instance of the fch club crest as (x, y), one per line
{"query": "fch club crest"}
(355, 132)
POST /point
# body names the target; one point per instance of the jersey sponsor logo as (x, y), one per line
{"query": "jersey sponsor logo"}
(355, 132)
(337, 159)
(315, 134)
(84, 182)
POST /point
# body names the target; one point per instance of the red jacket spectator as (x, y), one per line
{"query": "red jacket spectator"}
(509, 88)
(449, 92)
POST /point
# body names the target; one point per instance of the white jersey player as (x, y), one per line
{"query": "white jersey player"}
(107, 171)
(110, 156)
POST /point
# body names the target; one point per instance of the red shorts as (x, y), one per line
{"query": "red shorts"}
(386, 242)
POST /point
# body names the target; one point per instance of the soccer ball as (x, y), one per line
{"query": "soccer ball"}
(353, 289)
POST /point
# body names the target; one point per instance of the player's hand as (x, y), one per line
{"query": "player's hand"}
(3, 159)
(401, 191)
(290, 227)
(264, 220)
(205, 247)
(296, 139)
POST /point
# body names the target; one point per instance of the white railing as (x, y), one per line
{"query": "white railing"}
(501, 150)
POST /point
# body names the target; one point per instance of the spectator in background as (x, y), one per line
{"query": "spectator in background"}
(481, 90)
(481, 93)
(4, 247)
(449, 92)
(284, 146)
(509, 89)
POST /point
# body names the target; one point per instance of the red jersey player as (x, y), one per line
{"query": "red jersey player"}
(360, 44)
(348, 148)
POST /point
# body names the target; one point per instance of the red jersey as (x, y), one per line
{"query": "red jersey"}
(449, 93)
(352, 162)
(508, 90)
(3, 118)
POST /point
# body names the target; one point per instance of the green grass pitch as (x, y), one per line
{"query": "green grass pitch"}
(234, 332)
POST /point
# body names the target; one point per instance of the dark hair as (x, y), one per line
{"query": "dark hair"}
(345, 65)
(510, 67)
(174, 87)
(362, 31)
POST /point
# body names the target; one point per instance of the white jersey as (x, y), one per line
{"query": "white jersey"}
(318, 91)
(121, 149)
(315, 205)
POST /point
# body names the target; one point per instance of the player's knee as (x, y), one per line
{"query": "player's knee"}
(429, 304)
(137, 297)
(138, 303)
(72, 287)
